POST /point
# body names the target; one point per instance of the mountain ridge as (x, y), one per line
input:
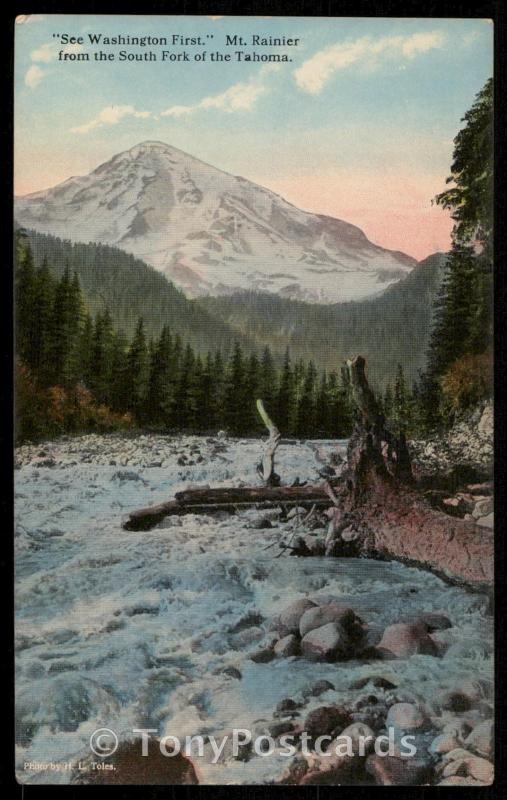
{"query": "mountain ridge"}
(211, 232)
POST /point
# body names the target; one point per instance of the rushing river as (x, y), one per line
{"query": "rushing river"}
(133, 630)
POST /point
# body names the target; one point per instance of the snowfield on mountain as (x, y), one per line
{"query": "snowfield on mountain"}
(210, 232)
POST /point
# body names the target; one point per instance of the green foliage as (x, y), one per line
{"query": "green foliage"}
(129, 288)
(389, 329)
(462, 327)
(468, 381)
(81, 373)
(471, 198)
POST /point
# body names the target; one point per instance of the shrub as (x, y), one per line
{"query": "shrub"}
(468, 381)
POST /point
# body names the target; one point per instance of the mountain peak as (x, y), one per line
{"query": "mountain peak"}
(211, 232)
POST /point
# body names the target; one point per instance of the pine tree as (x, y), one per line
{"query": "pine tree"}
(137, 373)
(182, 407)
(160, 400)
(463, 320)
(268, 381)
(120, 385)
(85, 347)
(340, 413)
(64, 333)
(285, 399)
(234, 393)
(401, 401)
(44, 290)
(305, 424)
(25, 290)
(100, 379)
(387, 402)
(252, 422)
(322, 408)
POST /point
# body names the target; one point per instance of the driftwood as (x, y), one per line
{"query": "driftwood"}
(202, 501)
(377, 509)
(266, 468)
(386, 513)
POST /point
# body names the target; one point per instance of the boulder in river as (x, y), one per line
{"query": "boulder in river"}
(325, 720)
(321, 615)
(407, 639)
(397, 771)
(287, 646)
(127, 766)
(406, 717)
(328, 643)
(481, 739)
(288, 620)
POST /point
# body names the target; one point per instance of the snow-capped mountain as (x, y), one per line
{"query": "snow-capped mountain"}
(210, 232)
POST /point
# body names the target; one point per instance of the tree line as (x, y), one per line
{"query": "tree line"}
(459, 370)
(77, 372)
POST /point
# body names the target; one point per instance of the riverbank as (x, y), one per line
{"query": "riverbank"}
(163, 629)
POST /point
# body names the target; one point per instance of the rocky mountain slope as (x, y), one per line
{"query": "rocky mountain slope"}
(212, 233)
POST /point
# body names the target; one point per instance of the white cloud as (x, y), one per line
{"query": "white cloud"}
(34, 76)
(366, 52)
(111, 115)
(239, 97)
(46, 52)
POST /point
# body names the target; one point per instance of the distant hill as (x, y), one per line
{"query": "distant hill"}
(389, 329)
(130, 288)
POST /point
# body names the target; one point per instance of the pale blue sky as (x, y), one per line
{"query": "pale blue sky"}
(366, 110)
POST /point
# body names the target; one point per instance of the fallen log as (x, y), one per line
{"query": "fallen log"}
(390, 517)
(206, 500)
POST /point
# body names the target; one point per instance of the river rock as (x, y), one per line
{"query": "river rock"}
(322, 615)
(318, 688)
(454, 701)
(481, 739)
(406, 717)
(232, 672)
(483, 508)
(328, 643)
(379, 681)
(262, 656)
(324, 720)
(460, 761)
(287, 646)
(444, 743)
(288, 620)
(295, 772)
(361, 736)
(286, 706)
(407, 639)
(280, 727)
(432, 620)
(129, 767)
(397, 771)
(342, 771)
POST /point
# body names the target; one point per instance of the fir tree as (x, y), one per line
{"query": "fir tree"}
(182, 408)
(305, 424)
(160, 400)
(268, 381)
(137, 373)
(234, 393)
(285, 400)
(25, 289)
